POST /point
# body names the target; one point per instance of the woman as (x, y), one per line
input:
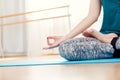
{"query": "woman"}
(96, 45)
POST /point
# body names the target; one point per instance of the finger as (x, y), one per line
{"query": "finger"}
(51, 37)
(45, 48)
(50, 41)
(50, 47)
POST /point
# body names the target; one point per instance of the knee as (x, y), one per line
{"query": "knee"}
(65, 50)
(84, 51)
(70, 51)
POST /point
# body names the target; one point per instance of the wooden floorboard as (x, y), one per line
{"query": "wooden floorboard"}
(60, 72)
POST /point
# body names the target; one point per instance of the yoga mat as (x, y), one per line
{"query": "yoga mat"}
(59, 62)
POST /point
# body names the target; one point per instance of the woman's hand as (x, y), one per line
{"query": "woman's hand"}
(53, 41)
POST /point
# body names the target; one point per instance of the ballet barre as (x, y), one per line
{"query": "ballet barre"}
(26, 13)
(26, 21)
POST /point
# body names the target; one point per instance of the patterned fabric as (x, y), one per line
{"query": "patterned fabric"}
(118, 44)
(85, 48)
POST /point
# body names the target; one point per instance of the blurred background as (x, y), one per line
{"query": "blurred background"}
(26, 34)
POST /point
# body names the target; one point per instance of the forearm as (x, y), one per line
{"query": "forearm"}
(81, 27)
(93, 14)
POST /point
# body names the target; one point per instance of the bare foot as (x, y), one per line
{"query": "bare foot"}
(87, 33)
(107, 38)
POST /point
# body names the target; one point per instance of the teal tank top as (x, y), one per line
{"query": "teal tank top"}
(111, 16)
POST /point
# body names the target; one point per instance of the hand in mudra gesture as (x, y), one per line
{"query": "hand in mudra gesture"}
(53, 41)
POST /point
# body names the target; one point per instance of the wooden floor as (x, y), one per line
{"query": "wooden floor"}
(61, 72)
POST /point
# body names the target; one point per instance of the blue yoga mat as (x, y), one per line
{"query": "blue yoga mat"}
(61, 62)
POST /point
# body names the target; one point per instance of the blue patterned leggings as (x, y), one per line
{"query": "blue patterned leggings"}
(86, 48)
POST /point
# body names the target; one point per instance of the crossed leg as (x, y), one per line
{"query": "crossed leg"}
(97, 47)
(106, 38)
(92, 48)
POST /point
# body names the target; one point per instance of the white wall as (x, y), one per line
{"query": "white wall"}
(79, 9)
(13, 37)
(38, 31)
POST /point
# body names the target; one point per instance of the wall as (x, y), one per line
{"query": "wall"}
(13, 37)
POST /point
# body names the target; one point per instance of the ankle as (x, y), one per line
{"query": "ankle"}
(108, 37)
